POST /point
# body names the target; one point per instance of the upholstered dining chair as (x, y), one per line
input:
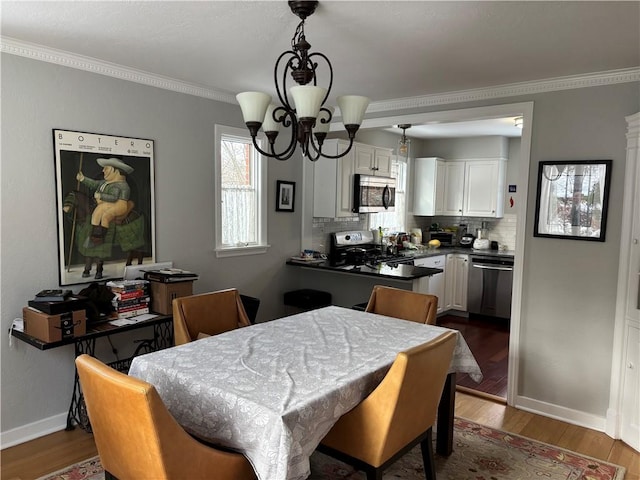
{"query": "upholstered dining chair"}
(404, 304)
(207, 314)
(398, 414)
(137, 437)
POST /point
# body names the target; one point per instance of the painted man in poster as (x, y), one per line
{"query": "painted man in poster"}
(111, 194)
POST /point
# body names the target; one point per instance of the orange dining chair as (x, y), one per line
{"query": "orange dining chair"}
(207, 314)
(398, 414)
(404, 304)
(137, 437)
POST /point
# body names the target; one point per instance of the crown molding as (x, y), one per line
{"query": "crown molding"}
(597, 79)
(90, 64)
(59, 57)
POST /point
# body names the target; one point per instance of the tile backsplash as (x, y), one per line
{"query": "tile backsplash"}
(323, 227)
(502, 230)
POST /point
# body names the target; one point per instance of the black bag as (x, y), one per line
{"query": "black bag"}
(98, 303)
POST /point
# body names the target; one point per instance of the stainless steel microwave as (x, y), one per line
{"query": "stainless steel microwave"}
(373, 194)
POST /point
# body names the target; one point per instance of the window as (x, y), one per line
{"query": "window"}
(394, 221)
(240, 193)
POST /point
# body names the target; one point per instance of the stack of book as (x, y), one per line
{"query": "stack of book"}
(131, 297)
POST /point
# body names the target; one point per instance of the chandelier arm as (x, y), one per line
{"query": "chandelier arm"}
(315, 65)
(340, 155)
(288, 152)
(284, 99)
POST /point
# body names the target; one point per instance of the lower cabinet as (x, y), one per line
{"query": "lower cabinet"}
(457, 269)
(436, 283)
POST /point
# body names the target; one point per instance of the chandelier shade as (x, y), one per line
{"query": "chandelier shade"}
(270, 124)
(307, 100)
(306, 116)
(253, 105)
(353, 108)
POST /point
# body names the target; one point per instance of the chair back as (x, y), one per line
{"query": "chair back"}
(404, 304)
(137, 437)
(401, 408)
(207, 314)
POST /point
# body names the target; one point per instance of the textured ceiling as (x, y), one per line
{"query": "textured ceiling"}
(382, 49)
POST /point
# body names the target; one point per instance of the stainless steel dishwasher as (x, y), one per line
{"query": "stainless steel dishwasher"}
(489, 287)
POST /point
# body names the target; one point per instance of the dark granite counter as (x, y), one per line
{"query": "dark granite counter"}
(399, 272)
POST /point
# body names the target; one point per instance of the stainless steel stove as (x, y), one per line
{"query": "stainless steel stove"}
(358, 248)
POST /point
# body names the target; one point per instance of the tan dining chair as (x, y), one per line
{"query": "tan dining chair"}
(137, 437)
(404, 304)
(398, 414)
(207, 314)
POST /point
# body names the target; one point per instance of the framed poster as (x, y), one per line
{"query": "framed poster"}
(105, 204)
(285, 196)
(573, 199)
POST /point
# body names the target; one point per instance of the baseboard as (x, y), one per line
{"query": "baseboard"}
(479, 394)
(33, 430)
(575, 417)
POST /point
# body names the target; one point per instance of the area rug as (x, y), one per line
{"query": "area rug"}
(479, 453)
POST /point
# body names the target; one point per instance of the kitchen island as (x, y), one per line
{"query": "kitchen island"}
(351, 285)
(389, 270)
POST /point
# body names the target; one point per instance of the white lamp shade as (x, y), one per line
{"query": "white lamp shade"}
(323, 127)
(353, 108)
(269, 124)
(308, 100)
(254, 105)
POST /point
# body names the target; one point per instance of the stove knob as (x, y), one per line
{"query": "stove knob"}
(347, 237)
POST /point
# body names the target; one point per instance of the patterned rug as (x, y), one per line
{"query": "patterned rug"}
(479, 453)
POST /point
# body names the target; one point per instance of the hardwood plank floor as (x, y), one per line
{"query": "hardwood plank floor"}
(53, 452)
(488, 339)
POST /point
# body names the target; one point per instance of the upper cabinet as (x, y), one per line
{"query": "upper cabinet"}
(484, 188)
(470, 188)
(333, 178)
(333, 181)
(371, 160)
(428, 197)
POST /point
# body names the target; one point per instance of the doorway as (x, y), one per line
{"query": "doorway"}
(524, 110)
(488, 339)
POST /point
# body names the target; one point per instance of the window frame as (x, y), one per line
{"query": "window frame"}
(260, 171)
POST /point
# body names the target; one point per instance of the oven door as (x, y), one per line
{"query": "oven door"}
(373, 194)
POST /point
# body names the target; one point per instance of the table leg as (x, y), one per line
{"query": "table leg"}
(77, 409)
(446, 408)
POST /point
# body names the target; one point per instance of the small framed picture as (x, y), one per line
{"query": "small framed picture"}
(286, 192)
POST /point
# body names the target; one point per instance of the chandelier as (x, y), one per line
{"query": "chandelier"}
(306, 116)
(403, 144)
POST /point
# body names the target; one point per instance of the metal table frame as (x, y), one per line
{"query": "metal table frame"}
(162, 338)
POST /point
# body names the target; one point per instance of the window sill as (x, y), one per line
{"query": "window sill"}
(240, 251)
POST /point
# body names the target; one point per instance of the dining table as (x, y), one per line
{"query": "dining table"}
(273, 390)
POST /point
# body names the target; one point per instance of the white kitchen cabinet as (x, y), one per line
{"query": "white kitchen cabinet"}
(333, 178)
(453, 182)
(333, 182)
(428, 189)
(484, 188)
(472, 188)
(437, 283)
(457, 270)
(370, 160)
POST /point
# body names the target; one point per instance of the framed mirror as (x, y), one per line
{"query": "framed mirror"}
(572, 199)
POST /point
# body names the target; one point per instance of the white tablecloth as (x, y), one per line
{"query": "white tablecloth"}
(273, 390)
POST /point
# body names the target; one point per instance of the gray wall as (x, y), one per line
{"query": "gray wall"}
(37, 97)
(569, 286)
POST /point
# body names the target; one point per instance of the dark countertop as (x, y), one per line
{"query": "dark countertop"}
(400, 272)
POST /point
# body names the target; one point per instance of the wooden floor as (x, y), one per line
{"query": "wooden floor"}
(488, 339)
(53, 452)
